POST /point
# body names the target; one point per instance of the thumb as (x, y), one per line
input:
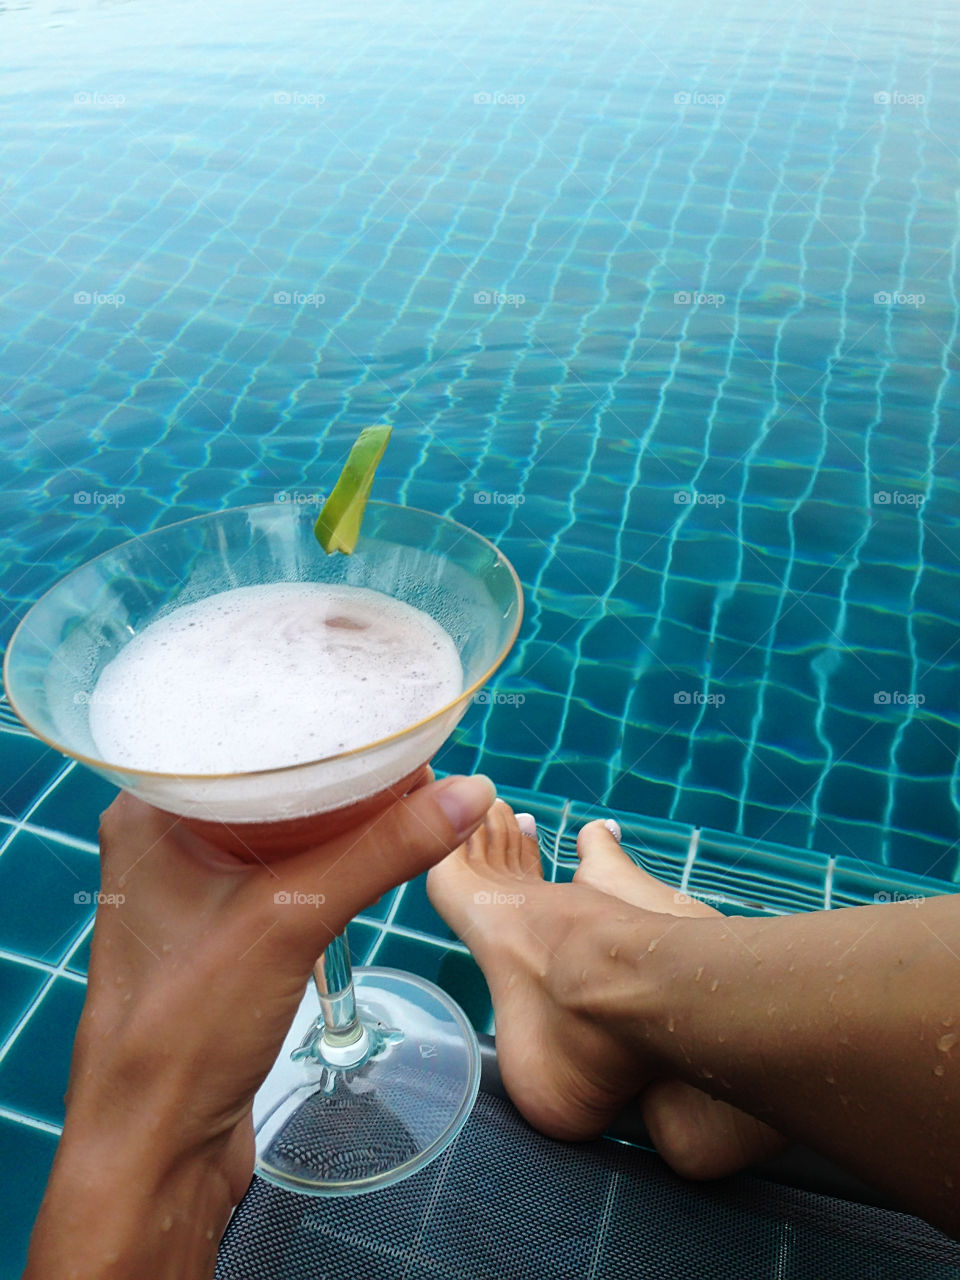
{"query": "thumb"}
(395, 846)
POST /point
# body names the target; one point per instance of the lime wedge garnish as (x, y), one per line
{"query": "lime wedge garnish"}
(338, 524)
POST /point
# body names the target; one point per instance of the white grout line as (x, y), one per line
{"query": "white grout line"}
(30, 1121)
(564, 819)
(58, 972)
(691, 858)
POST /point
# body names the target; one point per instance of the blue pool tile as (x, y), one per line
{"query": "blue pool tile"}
(47, 1039)
(45, 892)
(75, 804)
(19, 983)
(26, 1155)
(26, 767)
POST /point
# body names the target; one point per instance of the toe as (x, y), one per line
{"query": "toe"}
(605, 866)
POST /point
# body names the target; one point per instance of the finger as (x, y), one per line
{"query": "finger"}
(355, 869)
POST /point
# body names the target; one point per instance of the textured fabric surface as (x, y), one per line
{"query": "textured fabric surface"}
(505, 1203)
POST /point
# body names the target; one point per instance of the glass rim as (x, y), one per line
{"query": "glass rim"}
(248, 774)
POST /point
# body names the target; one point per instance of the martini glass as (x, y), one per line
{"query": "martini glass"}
(380, 1068)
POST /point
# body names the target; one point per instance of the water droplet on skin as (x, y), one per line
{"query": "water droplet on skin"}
(946, 1043)
(512, 980)
(714, 984)
(671, 1025)
(771, 1010)
(844, 1099)
(614, 952)
(697, 975)
(939, 1069)
(707, 1075)
(583, 976)
(790, 968)
(167, 946)
(653, 944)
(167, 1223)
(947, 1022)
(721, 1039)
(830, 1079)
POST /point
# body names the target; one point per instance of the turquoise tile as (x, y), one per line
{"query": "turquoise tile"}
(75, 804)
(26, 767)
(19, 983)
(45, 890)
(360, 938)
(26, 1155)
(416, 912)
(455, 972)
(33, 1075)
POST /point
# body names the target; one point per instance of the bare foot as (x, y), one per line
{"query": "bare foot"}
(698, 1136)
(565, 1073)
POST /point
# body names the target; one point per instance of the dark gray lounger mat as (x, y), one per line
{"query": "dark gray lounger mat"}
(505, 1203)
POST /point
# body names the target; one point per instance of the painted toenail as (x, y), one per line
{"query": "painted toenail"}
(527, 824)
(614, 828)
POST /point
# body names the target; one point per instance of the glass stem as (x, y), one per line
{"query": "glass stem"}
(334, 980)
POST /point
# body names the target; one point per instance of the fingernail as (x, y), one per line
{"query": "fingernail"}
(614, 828)
(463, 801)
(527, 824)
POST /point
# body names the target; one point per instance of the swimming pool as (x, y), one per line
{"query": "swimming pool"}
(661, 299)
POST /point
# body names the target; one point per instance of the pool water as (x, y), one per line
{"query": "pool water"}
(662, 299)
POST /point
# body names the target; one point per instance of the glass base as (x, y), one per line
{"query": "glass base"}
(324, 1129)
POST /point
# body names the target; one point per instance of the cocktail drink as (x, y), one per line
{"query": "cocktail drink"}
(226, 670)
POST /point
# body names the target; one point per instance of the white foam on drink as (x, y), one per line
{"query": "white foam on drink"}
(260, 677)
